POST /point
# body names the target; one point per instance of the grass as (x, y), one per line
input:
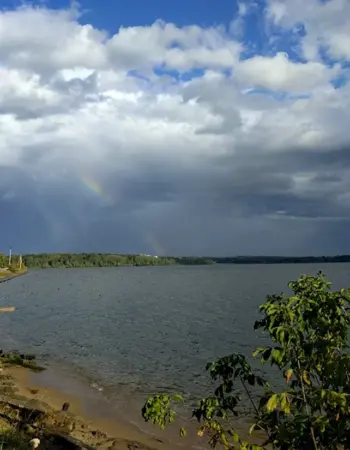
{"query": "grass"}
(12, 271)
(13, 440)
(17, 359)
(6, 275)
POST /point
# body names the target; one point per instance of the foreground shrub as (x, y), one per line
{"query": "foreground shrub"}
(309, 348)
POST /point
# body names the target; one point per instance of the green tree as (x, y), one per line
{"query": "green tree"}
(3, 260)
(309, 348)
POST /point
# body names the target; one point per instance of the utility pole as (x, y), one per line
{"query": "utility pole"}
(10, 255)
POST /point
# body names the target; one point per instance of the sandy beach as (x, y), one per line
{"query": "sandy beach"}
(88, 429)
(89, 422)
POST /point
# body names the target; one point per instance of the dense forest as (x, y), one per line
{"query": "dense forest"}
(48, 260)
(281, 259)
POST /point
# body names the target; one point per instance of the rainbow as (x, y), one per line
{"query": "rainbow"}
(155, 244)
(97, 190)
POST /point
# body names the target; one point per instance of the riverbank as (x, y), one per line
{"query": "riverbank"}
(38, 411)
(6, 275)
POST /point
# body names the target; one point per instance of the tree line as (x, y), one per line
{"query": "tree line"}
(280, 259)
(57, 260)
(77, 260)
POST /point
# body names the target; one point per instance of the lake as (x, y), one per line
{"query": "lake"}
(139, 330)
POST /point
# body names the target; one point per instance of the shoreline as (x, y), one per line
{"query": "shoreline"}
(4, 277)
(93, 423)
(21, 386)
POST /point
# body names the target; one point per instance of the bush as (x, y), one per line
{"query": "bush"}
(13, 440)
(309, 334)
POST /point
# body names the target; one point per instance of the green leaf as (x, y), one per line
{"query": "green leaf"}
(284, 403)
(183, 432)
(272, 403)
(288, 374)
(252, 428)
(266, 355)
(258, 351)
(306, 378)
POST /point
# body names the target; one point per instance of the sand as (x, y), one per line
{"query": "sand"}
(19, 388)
(90, 422)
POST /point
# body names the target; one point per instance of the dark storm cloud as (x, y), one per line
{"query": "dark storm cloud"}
(22, 225)
(24, 228)
(145, 186)
(264, 183)
(203, 211)
(261, 186)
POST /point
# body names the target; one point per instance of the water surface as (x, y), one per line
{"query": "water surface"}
(139, 330)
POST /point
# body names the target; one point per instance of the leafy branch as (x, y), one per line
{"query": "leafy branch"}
(309, 347)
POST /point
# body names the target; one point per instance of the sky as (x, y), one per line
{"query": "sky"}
(175, 128)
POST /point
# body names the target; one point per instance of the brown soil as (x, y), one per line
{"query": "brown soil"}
(37, 412)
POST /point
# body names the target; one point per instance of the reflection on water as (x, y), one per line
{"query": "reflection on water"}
(134, 331)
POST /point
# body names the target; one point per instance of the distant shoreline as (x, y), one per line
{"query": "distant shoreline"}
(90, 260)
